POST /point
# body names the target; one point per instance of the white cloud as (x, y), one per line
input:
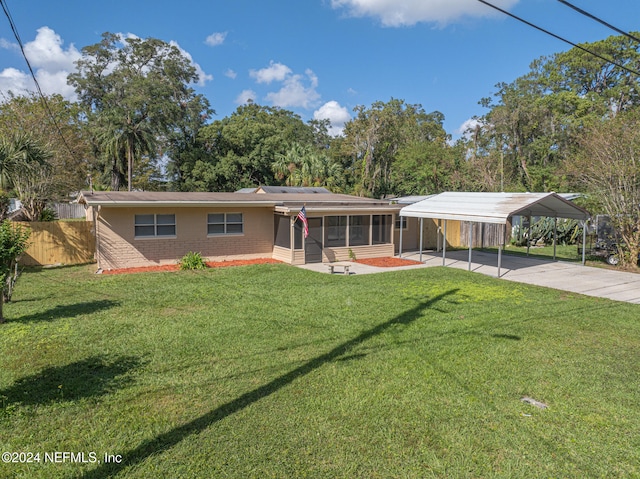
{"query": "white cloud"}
(395, 13)
(7, 45)
(274, 72)
(297, 90)
(15, 81)
(244, 97)
(336, 114)
(468, 127)
(46, 52)
(50, 62)
(230, 74)
(56, 82)
(294, 93)
(216, 39)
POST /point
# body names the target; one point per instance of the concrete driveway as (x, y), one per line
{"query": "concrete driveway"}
(565, 276)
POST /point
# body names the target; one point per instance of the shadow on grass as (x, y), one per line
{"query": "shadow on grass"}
(90, 377)
(512, 337)
(174, 436)
(67, 311)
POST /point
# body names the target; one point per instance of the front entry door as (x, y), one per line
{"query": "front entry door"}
(313, 242)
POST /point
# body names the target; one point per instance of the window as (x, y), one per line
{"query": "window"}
(358, 230)
(335, 231)
(225, 224)
(381, 229)
(402, 219)
(282, 230)
(149, 226)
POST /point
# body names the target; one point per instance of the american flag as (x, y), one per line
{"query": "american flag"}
(302, 216)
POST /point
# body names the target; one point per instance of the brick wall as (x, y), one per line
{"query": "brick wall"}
(118, 248)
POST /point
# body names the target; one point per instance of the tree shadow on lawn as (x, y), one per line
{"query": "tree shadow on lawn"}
(67, 311)
(174, 436)
(90, 377)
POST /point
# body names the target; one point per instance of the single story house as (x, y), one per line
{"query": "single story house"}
(154, 228)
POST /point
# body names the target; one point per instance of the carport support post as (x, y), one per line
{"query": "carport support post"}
(292, 233)
(500, 246)
(584, 242)
(529, 235)
(400, 245)
(470, 242)
(444, 244)
(421, 224)
(555, 236)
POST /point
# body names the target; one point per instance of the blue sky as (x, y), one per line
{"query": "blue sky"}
(318, 58)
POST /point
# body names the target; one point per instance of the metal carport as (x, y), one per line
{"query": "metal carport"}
(491, 208)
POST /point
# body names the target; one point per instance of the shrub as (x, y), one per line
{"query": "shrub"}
(13, 243)
(191, 261)
(568, 232)
(47, 214)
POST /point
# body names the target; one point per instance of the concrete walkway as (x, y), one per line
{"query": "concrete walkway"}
(565, 276)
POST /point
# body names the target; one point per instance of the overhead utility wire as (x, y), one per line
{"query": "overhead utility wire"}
(5, 8)
(599, 20)
(575, 45)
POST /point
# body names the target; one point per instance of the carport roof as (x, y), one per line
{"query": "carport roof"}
(493, 207)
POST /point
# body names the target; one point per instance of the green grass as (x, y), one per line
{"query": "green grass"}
(563, 252)
(274, 371)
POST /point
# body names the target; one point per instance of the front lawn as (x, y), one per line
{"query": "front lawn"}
(274, 371)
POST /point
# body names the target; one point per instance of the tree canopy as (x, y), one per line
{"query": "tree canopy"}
(571, 115)
(136, 94)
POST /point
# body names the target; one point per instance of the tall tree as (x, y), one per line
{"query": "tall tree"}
(607, 164)
(533, 122)
(374, 138)
(138, 95)
(239, 150)
(307, 166)
(26, 170)
(57, 125)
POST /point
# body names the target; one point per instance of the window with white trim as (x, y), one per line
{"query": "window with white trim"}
(225, 224)
(155, 225)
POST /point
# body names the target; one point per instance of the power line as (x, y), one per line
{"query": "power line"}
(575, 45)
(599, 20)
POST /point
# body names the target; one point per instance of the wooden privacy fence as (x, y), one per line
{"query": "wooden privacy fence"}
(485, 235)
(59, 242)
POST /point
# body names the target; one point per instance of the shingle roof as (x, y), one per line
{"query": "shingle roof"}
(282, 201)
(295, 189)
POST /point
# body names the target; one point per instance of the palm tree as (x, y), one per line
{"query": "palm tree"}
(29, 173)
(7, 162)
(286, 164)
(122, 144)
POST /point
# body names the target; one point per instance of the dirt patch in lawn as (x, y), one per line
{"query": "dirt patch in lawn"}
(387, 262)
(175, 267)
